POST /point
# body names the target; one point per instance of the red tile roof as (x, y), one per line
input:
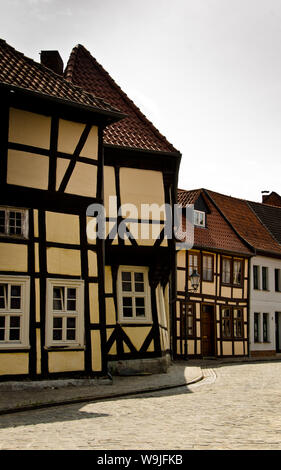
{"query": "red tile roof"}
(134, 131)
(22, 72)
(218, 234)
(188, 197)
(244, 220)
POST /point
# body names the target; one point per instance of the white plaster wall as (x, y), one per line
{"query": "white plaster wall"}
(264, 302)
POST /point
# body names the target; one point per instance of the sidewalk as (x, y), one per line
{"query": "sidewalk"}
(23, 396)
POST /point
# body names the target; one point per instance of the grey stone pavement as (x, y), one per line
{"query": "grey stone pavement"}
(16, 396)
(197, 405)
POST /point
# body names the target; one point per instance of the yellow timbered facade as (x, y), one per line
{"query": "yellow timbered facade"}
(212, 321)
(70, 302)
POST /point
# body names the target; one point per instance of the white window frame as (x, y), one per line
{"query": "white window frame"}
(22, 312)
(79, 341)
(198, 216)
(133, 294)
(24, 222)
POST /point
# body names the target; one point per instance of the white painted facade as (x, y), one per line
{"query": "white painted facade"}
(265, 305)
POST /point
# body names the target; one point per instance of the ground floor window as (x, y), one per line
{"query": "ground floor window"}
(65, 313)
(232, 322)
(265, 327)
(133, 290)
(14, 311)
(187, 319)
(261, 327)
(256, 327)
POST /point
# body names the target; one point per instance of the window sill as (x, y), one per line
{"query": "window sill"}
(236, 286)
(8, 347)
(64, 348)
(135, 322)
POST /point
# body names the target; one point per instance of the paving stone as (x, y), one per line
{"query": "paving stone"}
(235, 407)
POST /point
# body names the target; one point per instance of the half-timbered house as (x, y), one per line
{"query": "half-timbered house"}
(213, 320)
(140, 168)
(70, 301)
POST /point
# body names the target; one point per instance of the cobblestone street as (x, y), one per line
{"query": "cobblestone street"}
(234, 407)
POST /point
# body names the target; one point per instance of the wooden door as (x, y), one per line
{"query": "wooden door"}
(207, 331)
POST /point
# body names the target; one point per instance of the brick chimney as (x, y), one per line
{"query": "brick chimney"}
(264, 195)
(52, 60)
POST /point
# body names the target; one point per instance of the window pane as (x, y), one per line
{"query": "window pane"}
(226, 271)
(126, 286)
(14, 334)
(15, 302)
(264, 278)
(237, 272)
(57, 335)
(139, 287)
(14, 322)
(71, 293)
(140, 307)
(139, 282)
(127, 312)
(71, 328)
(140, 301)
(207, 268)
(127, 307)
(265, 327)
(57, 322)
(58, 293)
(256, 277)
(71, 334)
(71, 305)
(15, 223)
(256, 327)
(3, 295)
(226, 328)
(193, 264)
(2, 222)
(2, 328)
(126, 276)
(71, 322)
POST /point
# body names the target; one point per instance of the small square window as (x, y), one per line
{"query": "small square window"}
(199, 218)
(13, 222)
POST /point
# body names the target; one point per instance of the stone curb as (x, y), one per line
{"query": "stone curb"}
(95, 398)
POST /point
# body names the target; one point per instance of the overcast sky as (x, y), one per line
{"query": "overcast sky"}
(207, 73)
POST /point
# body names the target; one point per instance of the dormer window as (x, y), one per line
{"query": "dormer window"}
(199, 218)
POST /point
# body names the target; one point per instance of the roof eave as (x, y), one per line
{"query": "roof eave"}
(109, 116)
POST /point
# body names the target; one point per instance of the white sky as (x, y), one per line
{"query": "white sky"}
(207, 73)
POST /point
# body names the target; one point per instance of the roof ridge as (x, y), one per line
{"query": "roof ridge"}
(69, 72)
(247, 203)
(267, 229)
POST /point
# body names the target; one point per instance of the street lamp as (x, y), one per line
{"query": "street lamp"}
(194, 279)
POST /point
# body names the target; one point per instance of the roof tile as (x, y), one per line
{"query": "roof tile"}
(218, 234)
(135, 130)
(20, 71)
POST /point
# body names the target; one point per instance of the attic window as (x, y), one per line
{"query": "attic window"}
(199, 218)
